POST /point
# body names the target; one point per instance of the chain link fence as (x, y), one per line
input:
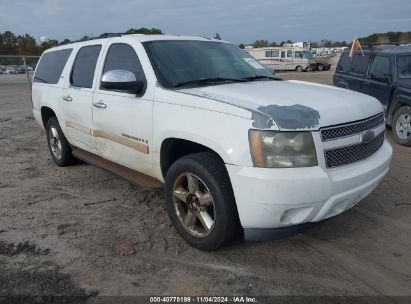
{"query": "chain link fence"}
(16, 64)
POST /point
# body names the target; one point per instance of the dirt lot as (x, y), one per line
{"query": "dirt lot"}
(81, 231)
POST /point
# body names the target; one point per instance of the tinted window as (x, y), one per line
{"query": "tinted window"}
(289, 53)
(360, 64)
(282, 54)
(298, 54)
(267, 53)
(345, 63)
(380, 66)
(83, 70)
(123, 57)
(404, 67)
(51, 66)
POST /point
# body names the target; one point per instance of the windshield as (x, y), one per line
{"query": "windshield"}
(404, 67)
(307, 55)
(179, 63)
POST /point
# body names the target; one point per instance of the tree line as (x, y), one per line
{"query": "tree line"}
(12, 44)
(388, 37)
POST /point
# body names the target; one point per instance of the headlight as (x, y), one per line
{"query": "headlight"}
(273, 149)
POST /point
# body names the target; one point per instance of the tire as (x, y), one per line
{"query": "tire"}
(320, 67)
(59, 147)
(212, 178)
(299, 69)
(401, 126)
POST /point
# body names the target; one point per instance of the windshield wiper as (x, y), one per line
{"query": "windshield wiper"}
(209, 81)
(258, 77)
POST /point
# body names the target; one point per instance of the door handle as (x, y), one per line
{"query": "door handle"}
(100, 104)
(67, 98)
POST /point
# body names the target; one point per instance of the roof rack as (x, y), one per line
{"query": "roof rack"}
(102, 36)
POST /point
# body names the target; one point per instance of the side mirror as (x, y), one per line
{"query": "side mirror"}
(121, 80)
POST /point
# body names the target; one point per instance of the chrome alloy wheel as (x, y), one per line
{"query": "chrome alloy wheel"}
(194, 205)
(55, 142)
(403, 126)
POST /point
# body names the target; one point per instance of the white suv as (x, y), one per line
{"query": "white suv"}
(237, 149)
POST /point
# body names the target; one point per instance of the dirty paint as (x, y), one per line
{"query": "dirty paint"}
(292, 117)
(260, 120)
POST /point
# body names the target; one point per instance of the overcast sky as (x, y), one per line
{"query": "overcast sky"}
(236, 20)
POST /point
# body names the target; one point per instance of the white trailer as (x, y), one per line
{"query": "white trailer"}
(286, 58)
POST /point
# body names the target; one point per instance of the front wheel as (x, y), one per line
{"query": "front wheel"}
(200, 201)
(320, 67)
(401, 126)
(299, 69)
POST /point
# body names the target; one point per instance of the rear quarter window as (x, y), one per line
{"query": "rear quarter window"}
(51, 66)
(344, 65)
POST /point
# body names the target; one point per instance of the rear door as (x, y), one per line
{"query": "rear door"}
(122, 122)
(379, 80)
(356, 77)
(78, 97)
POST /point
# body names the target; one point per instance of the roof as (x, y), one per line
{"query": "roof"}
(384, 49)
(136, 37)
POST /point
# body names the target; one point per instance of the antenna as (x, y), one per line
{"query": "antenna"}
(217, 36)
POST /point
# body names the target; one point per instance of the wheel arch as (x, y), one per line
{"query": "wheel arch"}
(46, 114)
(173, 148)
(399, 101)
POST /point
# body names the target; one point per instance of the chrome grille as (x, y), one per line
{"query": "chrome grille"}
(335, 132)
(349, 154)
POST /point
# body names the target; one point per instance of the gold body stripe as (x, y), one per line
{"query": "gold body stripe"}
(143, 148)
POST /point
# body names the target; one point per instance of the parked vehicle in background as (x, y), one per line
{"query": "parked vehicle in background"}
(287, 58)
(11, 70)
(238, 150)
(384, 72)
(21, 69)
(2, 69)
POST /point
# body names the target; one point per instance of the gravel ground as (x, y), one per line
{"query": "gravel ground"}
(81, 231)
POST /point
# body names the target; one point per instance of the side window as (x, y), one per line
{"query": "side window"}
(298, 54)
(282, 54)
(275, 53)
(84, 66)
(289, 53)
(271, 53)
(51, 66)
(122, 56)
(380, 67)
(360, 64)
(345, 63)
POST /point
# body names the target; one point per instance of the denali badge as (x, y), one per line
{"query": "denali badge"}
(367, 136)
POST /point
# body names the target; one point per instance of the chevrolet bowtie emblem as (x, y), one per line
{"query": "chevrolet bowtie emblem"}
(367, 136)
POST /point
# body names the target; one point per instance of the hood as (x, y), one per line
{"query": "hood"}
(292, 105)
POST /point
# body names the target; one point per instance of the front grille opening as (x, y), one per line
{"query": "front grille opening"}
(350, 154)
(352, 128)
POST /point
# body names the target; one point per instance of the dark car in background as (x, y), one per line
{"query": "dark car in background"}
(382, 71)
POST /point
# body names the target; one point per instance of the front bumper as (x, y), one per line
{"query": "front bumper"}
(274, 198)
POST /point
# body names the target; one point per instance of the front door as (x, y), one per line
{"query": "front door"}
(122, 121)
(78, 97)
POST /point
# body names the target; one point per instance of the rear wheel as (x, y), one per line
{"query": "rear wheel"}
(401, 126)
(320, 67)
(59, 147)
(200, 201)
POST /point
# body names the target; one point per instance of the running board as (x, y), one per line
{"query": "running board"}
(132, 175)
